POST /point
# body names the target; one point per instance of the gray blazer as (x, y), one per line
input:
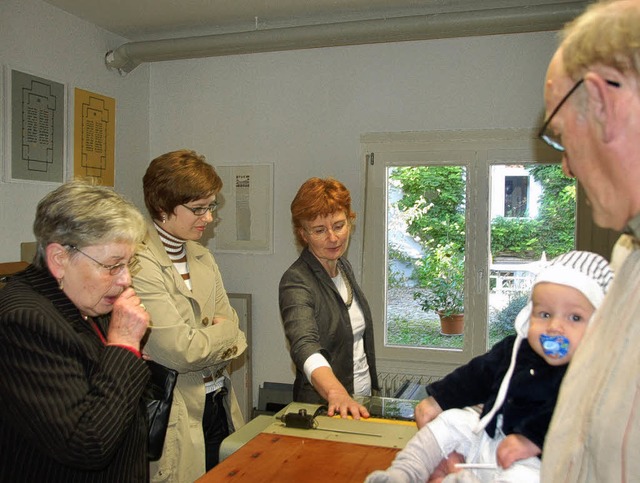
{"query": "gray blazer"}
(316, 319)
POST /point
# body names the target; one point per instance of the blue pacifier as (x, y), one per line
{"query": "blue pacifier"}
(556, 346)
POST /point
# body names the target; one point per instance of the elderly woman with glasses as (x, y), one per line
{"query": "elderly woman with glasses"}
(70, 332)
(326, 316)
(194, 328)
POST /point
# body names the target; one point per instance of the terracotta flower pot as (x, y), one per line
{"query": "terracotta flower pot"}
(451, 324)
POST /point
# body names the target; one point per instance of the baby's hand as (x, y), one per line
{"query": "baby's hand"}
(515, 447)
(446, 467)
(426, 411)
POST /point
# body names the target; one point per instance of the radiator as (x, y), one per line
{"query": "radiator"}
(404, 386)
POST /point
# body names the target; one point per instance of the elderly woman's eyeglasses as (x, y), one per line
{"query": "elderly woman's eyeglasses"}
(549, 137)
(320, 232)
(202, 210)
(116, 269)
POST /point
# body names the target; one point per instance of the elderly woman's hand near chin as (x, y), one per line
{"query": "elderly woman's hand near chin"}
(129, 320)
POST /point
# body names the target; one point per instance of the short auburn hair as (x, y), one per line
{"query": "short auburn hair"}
(319, 197)
(176, 178)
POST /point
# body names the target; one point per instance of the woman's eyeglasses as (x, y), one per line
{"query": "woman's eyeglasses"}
(320, 232)
(114, 270)
(202, 210)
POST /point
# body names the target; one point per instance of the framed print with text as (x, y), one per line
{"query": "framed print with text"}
(245, 211)
(35, 128)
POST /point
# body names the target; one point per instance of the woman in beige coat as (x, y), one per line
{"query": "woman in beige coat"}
(194, 329)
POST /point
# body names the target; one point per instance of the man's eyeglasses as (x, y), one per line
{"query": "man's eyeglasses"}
(113, 269)
(550, 138)
(202, 210)
(320, 232)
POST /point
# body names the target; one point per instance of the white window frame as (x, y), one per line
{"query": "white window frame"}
(476, 151)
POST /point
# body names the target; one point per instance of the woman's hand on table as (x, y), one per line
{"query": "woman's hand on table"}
(343, 405)
(339, 402)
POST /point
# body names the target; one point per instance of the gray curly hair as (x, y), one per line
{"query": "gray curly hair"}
(80, 213)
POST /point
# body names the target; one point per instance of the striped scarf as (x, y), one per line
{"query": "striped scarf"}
(175, 248)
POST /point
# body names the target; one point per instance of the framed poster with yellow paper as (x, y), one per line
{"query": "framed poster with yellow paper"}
(94, 137)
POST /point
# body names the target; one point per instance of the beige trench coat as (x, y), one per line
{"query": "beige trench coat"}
(184, 338)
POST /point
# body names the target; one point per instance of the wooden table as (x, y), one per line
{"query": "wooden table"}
(282, 459)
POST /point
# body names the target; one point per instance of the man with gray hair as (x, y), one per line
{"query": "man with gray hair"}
(592, 98)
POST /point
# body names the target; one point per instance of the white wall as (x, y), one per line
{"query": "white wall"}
(45, 41)
(304, 111)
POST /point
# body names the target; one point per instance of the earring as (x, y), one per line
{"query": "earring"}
(164, 218)
(60, 283)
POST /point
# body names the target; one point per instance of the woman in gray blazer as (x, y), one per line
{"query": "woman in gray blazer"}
(326, 316)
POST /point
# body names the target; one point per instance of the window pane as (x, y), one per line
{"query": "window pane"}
(532, 219)
(516, 196)
(425, 256)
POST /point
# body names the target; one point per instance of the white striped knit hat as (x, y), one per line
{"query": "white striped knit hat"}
(585, 271)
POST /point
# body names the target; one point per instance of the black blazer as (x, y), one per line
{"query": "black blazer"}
(316, 319)
(70, 407)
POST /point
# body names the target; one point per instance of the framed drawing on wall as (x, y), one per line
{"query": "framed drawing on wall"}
(240, 368)
(246, 209)
(94, 137)
(35, 128)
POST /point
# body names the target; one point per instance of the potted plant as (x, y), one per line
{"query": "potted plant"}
(441, 273)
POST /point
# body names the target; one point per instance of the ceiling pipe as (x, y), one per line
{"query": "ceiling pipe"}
(398, 29)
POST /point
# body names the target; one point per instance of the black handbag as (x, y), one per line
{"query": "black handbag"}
(158, 398)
